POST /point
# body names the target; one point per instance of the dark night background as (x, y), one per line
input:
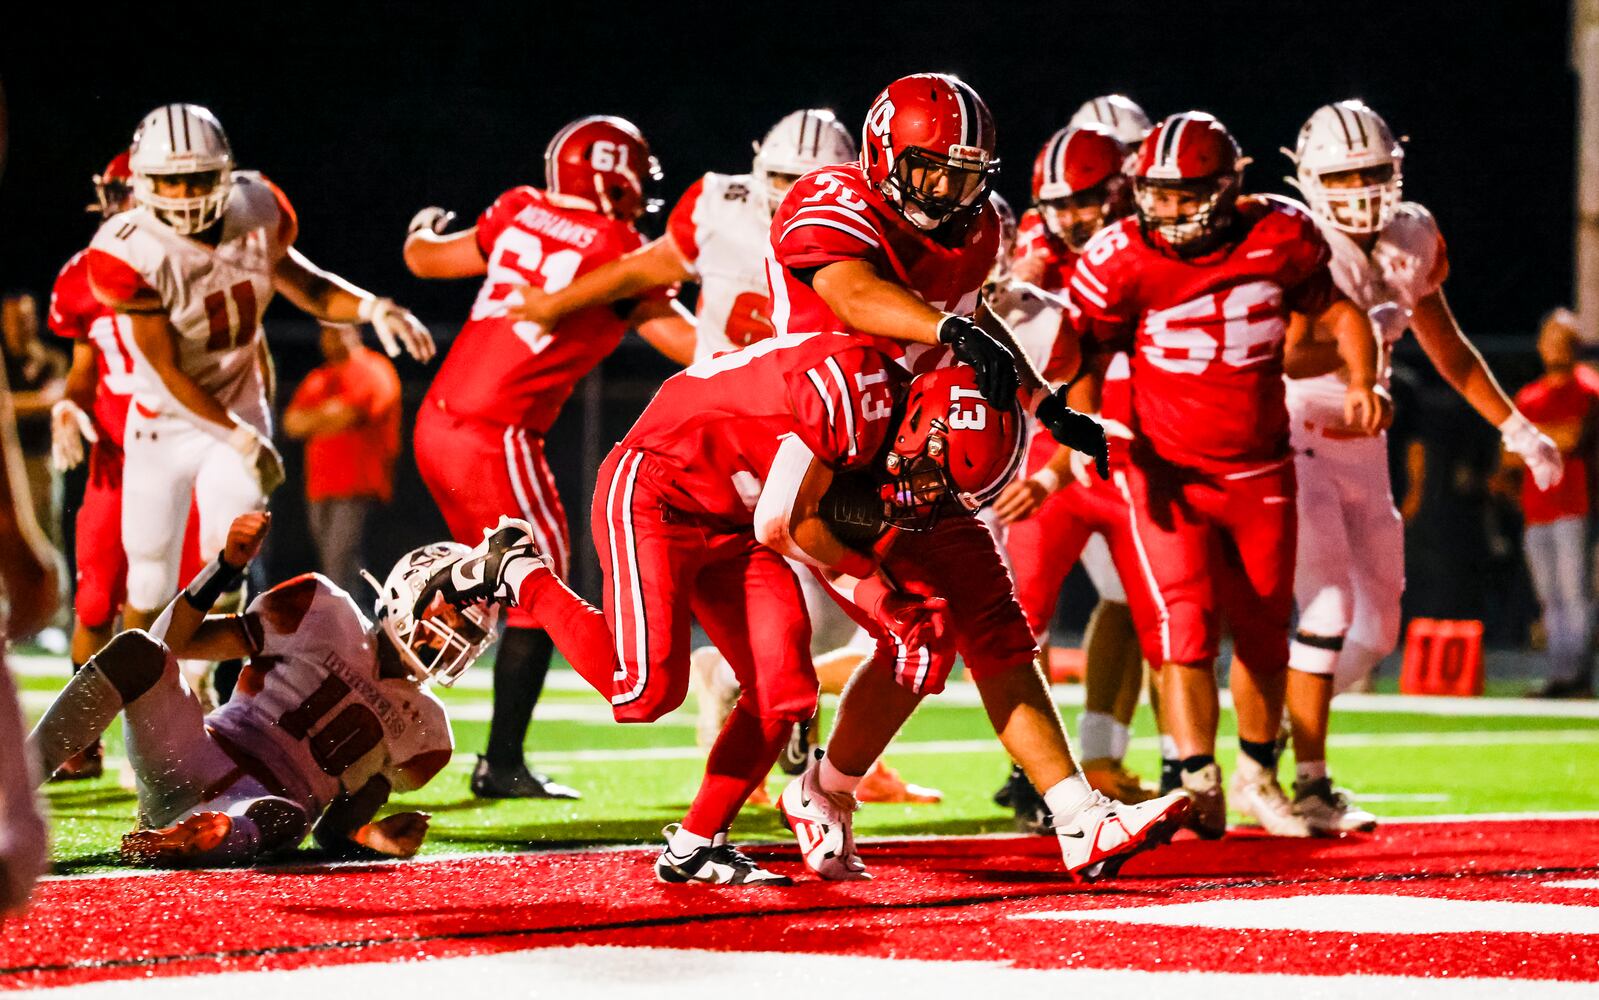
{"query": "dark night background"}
(365, 114)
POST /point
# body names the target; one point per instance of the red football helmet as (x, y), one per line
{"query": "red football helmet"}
(605, 161)
(928, 145)
(1186, 181)
(1078, 184)
(113, 187)
(951, 443)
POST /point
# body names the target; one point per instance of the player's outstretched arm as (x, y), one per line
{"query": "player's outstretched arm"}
(327, 296)
(186, 625)
(430, 252)
(667, 327)
(653, 265)
(1457, 359)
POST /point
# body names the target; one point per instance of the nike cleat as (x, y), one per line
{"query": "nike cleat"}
(823, 824)
(1328, 811)
(720, 863)
(516, 782)
(179, 844)
(1208, 818)
(1097, 839)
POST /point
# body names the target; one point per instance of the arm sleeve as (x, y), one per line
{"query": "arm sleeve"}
(681, 224)
(842, 406)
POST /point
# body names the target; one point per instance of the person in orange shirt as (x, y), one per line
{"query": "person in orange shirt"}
(347, 411)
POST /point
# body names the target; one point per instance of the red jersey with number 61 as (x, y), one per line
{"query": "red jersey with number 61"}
(77, 315)
(835, 214)
(1207, 333)
(512, 372)
(716, 425)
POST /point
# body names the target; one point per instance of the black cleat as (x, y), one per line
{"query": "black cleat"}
(797, 751)
(718, 864)
(516, 782)
(85, 764)
(1032, 815)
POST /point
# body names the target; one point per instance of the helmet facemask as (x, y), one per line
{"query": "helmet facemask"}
(930, 190)
(1187, 215)
(918, 486)
(1358, 200)
(1075, 218)
(439, 646)
(186, 214)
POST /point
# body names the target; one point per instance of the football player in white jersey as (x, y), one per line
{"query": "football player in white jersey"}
(331, 715)
(1390, 259)
(194, 266)
(1119, 113)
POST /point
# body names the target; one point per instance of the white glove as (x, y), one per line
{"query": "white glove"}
(1522, 437)
(69, 428)
(396, 327)
(259, 455)
(433, 218)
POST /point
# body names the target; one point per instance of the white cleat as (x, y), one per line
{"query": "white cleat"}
(1256, 793)
(1328, 811)
(1208, 817)
(823, 824)
(1097, 839)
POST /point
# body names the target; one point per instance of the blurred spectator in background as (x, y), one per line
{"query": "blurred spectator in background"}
(1564, 403)
(347, 411)
(38, 377)
(29, 576)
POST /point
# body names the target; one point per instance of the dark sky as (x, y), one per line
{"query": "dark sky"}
(366, 115)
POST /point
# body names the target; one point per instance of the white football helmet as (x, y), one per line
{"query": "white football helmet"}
(1119, 113)
(1007, 237)
(801, 142)
(1343, 137)
(182, 140)
(441, 648)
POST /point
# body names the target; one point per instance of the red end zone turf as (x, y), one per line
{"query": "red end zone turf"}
(1439, 899)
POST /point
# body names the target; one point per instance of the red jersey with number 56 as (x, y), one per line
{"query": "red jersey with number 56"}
(512, 372)
(716, 425)
(835, 214)
(77, 315)
(1207, 333)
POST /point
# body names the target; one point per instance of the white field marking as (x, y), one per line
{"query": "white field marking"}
(964, 694)
(1575, 883)
(1352, 913)
(618, 973)
(1404, 797)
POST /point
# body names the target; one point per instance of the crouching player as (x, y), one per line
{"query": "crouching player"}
(330, 716)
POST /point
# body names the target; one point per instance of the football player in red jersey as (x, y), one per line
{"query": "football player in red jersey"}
(1200, 286)
(1078, 186)
(480, 435)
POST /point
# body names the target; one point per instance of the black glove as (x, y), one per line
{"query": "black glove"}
(1077, 431)
(995, 364)
(484, 573)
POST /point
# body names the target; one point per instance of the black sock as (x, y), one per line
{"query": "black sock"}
(1198, 762)
(1171, 774)
(1264, 754)
(519, 669)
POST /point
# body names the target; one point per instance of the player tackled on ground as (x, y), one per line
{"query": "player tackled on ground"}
(330, 715)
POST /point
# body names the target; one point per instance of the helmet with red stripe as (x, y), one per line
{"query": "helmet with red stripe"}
(1078, 184)
(952, 449)
(1349, 167)
(604, 161)
(1186, 182)
(182, 167)
(113, 187)
(1117, 112)
(928, 145)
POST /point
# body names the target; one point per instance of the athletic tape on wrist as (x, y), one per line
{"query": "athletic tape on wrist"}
(218, 577)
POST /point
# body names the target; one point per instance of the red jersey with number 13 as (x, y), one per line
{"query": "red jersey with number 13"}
(835, 214)
(1207, 333)
(512, 372)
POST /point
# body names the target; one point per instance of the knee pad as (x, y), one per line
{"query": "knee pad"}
(150, 584)
(282, 824)
(1315, 654)
(133, 661)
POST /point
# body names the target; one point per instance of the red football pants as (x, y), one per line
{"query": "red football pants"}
(101, 587)
(663, 568)
(478, 471)
(1212, 548)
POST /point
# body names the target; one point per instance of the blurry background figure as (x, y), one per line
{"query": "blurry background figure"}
(347, 411)
(29, 577)
(1564, 403)
(37, 376)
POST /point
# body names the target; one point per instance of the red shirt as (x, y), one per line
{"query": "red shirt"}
(1036, 243)
(515, 373)
(1568, 405)
(717, 424)
(834, 214)
(1206, 334)
(76, 314)
(359, 460)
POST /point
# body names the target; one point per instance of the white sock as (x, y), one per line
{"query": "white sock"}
(834, 780)
(1168, 747)
(1310, 770)
(1066, 796)
(1121, 736)
(81, 712)
(682, 843)
(720, 839)
(1096, 736)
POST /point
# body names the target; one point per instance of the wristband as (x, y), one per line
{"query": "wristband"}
(1048, 478)
(367, 307)
(208, 585)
